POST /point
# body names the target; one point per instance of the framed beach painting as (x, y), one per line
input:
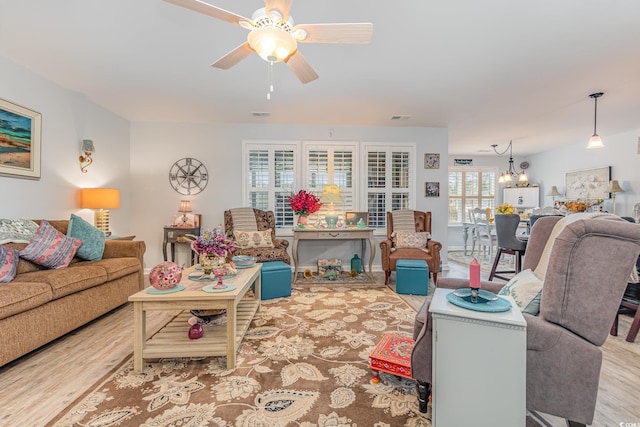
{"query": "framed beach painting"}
(20, 133)
(588, 184)
(353, 218)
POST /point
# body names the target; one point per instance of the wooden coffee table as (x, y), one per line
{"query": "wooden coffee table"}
(173, 341)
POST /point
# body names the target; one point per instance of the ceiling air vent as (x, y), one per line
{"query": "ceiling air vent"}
(400, 117)
(260, 114)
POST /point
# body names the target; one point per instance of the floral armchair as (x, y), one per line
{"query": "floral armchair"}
(272, 249)
(391, 252)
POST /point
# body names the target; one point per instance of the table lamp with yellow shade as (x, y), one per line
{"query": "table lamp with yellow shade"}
(100, 199)
(331, 197)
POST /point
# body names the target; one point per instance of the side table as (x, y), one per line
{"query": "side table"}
(479, 365)
(177, 235)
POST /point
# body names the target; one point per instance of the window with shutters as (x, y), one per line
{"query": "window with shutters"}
(331, 163)
(390, 178)
(470, 188)
(274, 170)
(270, 174)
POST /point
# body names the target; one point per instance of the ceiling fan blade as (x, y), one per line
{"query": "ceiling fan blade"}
(336, 33)
(282, 6)
(233, 57)
(301, 68)
(207, 9)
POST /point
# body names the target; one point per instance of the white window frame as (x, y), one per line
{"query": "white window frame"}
(388, 149)
(472, 169)
(271, 147)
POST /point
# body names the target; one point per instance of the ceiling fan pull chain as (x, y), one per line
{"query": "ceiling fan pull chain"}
(270, 79)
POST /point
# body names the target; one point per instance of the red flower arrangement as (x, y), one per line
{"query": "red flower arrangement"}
(304, 203)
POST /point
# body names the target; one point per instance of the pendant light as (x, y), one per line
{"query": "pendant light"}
(595, 141)
(507, 177)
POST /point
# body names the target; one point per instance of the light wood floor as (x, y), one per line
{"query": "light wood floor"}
(36, 387)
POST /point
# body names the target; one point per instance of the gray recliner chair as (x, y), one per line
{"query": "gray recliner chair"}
(587, 273)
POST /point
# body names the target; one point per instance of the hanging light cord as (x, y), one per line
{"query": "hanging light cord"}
(270, 79)
(595, 113)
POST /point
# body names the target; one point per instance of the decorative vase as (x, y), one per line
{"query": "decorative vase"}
(207, 262)
(303, 220)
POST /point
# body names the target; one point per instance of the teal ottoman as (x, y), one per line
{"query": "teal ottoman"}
(412, 277)
(275, 280)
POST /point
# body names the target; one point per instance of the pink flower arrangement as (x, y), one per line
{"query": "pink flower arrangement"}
(304, 203)
(213, 242)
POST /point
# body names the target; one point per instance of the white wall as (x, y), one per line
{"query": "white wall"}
(67, 119)
(156, 146)
(620, 152)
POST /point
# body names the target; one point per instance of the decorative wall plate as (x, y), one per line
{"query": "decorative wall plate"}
(188, 176)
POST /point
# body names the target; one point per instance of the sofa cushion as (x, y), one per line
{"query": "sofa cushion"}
(65, 281)
(17, 230)
(92, 246)
(114, 267)
(50, 248)
(525, 288)
(8, 263)
(246, 239)
(19, 296)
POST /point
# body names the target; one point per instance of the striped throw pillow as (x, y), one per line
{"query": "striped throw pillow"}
(8, 264)
(50, 248)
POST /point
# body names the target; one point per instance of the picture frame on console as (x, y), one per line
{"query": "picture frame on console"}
(588, 184)
(189, 220)
(352, 219)
(20, 139)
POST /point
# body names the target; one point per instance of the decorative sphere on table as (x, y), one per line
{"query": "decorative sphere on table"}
(165, 275)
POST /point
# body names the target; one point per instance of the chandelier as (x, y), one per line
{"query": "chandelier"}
(507, 177)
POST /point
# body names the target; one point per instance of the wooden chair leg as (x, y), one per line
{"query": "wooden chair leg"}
(496, 261)
(387, 273)
(635, 326)
(614, 327)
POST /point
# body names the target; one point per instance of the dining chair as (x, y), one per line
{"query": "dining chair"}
(483, 231)
(508, 244)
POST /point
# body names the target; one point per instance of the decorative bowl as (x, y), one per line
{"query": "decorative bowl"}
(244, 260)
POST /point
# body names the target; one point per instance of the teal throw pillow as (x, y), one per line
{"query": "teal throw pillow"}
(526, 289)
(92, 246)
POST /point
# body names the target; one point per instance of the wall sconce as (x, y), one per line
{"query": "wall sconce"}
(614, 188)
(87, 149)
(185, 207)
(330, 197)
(101, 199)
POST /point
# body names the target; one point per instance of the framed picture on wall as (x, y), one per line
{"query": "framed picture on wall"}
(431, 160)
(588, 184)
(20, 132)
(431, 189)
(352, 219)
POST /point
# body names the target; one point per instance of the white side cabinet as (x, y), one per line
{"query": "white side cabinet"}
(479, 365)
(522, 197)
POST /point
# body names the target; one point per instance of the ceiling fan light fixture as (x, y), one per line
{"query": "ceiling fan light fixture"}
(272, 43)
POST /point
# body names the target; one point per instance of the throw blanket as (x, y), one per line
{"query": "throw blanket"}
(541, 268)
(403, 220)
(244, 219)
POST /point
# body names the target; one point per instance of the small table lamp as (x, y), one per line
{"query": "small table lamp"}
(101, 199)
(553, 193)
(185, 207)
(614, 188)
(330, 196)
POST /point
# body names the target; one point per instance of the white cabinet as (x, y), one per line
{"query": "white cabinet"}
(522, 197)
(479, 365)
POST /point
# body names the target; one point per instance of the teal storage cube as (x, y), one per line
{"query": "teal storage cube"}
(412, 277)
(275, 280)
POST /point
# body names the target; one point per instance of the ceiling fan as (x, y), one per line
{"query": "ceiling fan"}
(274, 36)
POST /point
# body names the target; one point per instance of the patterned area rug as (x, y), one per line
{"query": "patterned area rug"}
(486, 262)
(343, 277)
(304, 362)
